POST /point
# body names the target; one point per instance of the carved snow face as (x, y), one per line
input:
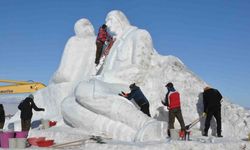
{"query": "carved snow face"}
(116, 22)
(84, 28)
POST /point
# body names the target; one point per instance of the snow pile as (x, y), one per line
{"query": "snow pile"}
(79, 98)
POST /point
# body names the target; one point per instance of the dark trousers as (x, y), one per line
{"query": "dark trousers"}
(145, 109)
(1, 125)
(176, 112)
(25, 124)
(99, 46)
(216, 112)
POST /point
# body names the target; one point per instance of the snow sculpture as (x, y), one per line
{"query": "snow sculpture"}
(132, 49)
(97, 107)
(73, 64)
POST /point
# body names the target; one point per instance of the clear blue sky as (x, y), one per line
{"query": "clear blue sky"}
(211, 37)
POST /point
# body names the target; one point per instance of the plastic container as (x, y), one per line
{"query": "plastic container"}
(45, 124)
(52, 123)
(4, 138)
(21, 142)
(21, 134)
(1, 131)
(36, 124)
(45, 143)
(33, 140)
(174, 133)
(12, 142)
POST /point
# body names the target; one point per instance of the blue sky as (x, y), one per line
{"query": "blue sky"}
(211, 37)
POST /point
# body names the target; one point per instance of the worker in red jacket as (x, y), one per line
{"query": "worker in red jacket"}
(102, 37)
(172, 101)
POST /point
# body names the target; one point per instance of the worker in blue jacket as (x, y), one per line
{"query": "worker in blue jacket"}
(138, 97)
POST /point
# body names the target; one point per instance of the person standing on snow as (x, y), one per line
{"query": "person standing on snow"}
(2, 116)
(102, 37)
(172, 101)
(138, 97)
(212, 99)
(26, 107)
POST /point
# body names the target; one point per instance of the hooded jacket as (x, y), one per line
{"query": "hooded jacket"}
(103, 35)
(211, 99)
(172, 99)
(26, 107)
(137, 95)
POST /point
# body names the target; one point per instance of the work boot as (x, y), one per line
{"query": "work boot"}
(168, 133)
(219, 135)
(204, 134)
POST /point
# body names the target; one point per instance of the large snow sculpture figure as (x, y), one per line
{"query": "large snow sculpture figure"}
(98, 98)
(78, 49)
(132, 49)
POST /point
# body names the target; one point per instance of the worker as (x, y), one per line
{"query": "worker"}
(2, 116)
(102, 37)
(212, 99)
(26, 107)
(172, 101)
(138, 97)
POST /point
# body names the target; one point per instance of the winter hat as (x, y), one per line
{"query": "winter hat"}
(104, 26)
(132, 86)
(31, 96)
(207, 88)
(169, 85)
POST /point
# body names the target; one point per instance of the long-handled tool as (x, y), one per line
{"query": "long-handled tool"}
(97, 139)
(189, 126)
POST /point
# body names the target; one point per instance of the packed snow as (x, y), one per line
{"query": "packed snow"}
(85, 101)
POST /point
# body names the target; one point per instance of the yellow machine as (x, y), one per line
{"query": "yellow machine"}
(17, 87)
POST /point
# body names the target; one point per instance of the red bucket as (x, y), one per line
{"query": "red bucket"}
(45, 143)
(33, 140)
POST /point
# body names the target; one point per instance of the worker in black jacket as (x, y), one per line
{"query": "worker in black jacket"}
(212, 107)
(2, 116)
(26, 107)
(138, 97)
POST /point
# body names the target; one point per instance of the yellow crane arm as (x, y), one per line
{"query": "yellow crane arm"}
(17, 87)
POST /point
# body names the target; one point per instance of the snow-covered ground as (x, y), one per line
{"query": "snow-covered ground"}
(85, 101)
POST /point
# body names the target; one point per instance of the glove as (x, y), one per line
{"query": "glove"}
(43, 109)
(204, 114)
